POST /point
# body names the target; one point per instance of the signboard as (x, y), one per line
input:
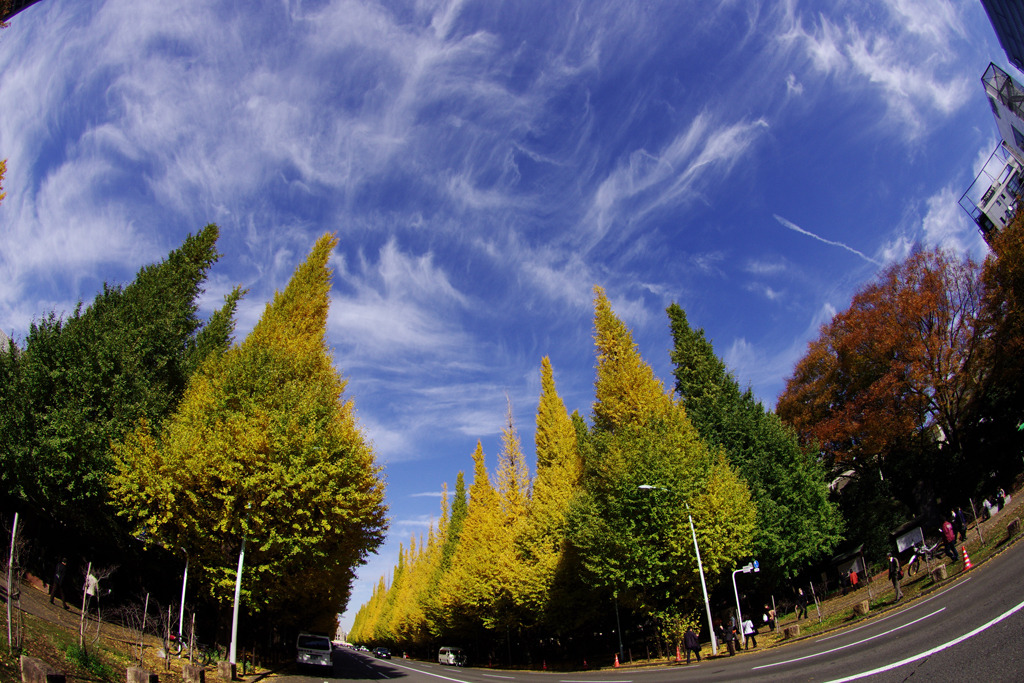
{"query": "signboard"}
(908, 540)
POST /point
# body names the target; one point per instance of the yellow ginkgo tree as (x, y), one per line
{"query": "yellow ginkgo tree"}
(264, 447)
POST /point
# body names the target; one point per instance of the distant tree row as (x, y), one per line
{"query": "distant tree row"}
(915, 394)
(134, 434)
(604, 525)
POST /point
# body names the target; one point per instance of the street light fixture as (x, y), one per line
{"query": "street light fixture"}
(700, 570)
(745, 569)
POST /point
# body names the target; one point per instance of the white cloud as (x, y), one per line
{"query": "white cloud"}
(399, 305)
(946, 225)
(763, 267)
(907, 62)
(936, 21)
(645, 181)
(793, 86)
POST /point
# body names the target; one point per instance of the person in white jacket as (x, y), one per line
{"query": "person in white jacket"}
(749, 633)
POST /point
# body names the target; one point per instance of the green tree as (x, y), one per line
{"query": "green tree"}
(264, 447)
(636, 543)
(84, 381)
(797, 524)
(999, 409)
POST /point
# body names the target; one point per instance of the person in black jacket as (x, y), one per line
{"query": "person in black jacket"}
(691, 643)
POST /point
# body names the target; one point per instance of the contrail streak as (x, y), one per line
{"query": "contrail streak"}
(796, 228)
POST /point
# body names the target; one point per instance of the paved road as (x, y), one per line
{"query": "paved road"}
(970, 630)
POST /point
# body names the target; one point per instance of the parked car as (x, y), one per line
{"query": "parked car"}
(382, 653)
(313, 650)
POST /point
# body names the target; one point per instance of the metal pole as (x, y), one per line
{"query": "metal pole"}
(10, 578)
(739, 614)
(234, 616)
(618, 626)
(181, 616)
(977, 522)
(703, 586)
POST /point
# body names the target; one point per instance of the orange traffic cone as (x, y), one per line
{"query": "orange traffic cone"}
(967, 559)
(616, 660)
(545, 665)
(678, 657)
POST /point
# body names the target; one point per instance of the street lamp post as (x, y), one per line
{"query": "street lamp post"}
(181, 615)
(703, 586)
(700, 570)
(752, 567)
(238, 595)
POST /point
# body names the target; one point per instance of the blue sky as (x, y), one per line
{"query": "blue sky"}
(485, 164)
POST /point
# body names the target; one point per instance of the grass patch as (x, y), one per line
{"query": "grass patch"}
(89, 661)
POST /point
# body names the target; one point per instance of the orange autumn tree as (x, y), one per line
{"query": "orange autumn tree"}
(896, 373)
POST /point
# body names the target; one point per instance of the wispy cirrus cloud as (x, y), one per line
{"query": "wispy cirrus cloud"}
(907, 61)
(645, 182)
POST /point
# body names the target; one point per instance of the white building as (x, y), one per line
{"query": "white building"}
(991, 200)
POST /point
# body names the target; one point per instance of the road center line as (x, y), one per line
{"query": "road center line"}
(940, 648)
(916, 603)
(843, 647)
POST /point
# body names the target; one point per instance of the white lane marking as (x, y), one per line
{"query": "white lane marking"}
(939, 648)
(370, 669)
(430, 673)
(916, 603)
(496, 676)
(843, 647)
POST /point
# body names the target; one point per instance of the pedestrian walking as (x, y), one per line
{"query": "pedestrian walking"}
(960, 522)
(948, 539)
(691, 643)
(57, 585)
(768, 618)
(895, 574)
(801, 604)
(728, 636)
(749, 633)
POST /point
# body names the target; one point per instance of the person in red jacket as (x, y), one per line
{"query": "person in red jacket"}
(948, 539)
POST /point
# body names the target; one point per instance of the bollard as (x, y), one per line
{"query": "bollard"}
(1013, 528)
(37, 671)
(226, 671)
(137, 674)
(193, 673)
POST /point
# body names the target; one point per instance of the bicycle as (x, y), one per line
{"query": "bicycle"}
(922, 553)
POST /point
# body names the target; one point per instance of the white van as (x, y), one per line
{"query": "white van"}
(313, 650)
(453, 656)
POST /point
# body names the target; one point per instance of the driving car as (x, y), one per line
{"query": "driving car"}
(382, 653)
(313, 650)
(452, 656)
